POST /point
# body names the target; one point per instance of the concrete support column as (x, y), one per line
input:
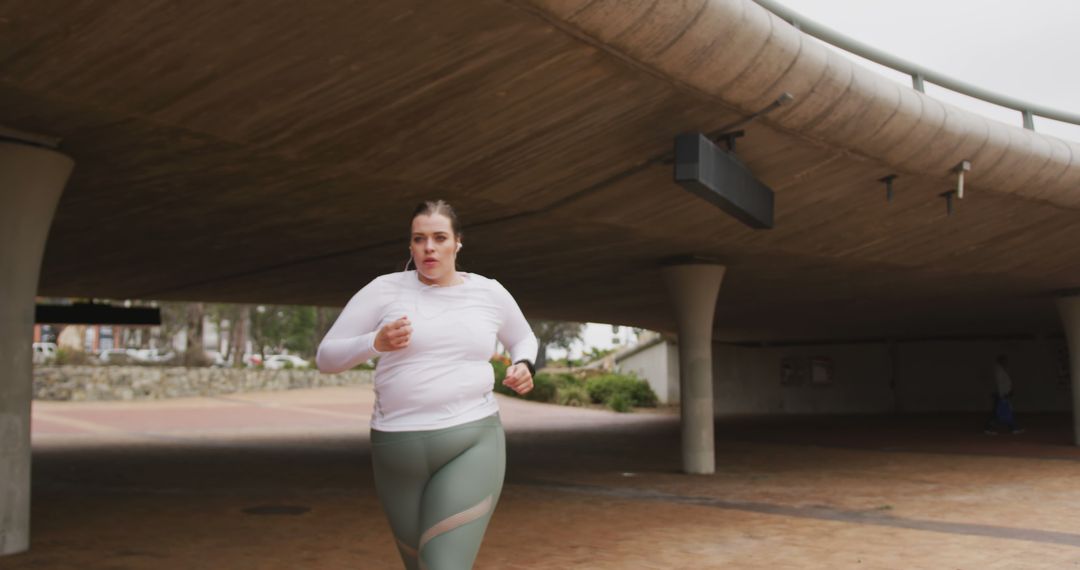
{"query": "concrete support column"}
(31, 181)
(1069, 307)
(693, 288)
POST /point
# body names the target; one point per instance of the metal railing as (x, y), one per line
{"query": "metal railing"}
(919, 74)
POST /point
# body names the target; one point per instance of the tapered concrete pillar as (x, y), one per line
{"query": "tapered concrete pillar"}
(31, 180)
(1069, 307)
(693, 288)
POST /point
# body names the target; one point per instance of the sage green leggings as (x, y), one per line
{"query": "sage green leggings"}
(439, 488)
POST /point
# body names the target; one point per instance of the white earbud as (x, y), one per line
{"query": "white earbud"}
(459, 245)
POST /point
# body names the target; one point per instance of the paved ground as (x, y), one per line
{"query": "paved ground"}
(282, 481)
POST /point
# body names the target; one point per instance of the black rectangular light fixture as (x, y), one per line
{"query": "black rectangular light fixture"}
(717, 175)
(96, 314)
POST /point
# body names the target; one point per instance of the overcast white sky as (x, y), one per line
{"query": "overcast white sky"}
(1027, 49)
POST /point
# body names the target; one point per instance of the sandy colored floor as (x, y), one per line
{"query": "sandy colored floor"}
(168, 485)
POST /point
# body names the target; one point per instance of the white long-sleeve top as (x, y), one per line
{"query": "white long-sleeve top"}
(444, 377)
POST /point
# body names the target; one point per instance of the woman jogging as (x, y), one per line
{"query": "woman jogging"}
(438, 447)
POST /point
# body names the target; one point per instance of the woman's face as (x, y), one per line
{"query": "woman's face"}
(433, 246)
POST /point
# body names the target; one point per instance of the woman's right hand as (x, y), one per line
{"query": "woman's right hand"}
(394, 336)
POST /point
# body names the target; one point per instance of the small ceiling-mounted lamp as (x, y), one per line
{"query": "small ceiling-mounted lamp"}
(888, 180)
(948, 201)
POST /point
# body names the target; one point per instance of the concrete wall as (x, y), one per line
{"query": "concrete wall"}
(909, 376)
(91, 383)
(956, 375)
(748, 380)
(923, 376)
(659, 366)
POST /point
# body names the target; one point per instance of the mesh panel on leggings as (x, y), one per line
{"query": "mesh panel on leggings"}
(453, 521)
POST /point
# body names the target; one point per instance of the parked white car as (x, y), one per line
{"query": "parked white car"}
(114, 355)
(44, 352)
(277, 361)
(150, 355)
(141, 354)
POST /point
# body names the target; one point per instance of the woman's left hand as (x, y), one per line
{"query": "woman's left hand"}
(518, 379)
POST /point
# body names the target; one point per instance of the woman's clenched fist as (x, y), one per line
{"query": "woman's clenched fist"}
(394, 336)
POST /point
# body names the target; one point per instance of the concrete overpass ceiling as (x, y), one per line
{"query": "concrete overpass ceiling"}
(271, 152)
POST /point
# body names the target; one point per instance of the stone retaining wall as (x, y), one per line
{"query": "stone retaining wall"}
(87, 383)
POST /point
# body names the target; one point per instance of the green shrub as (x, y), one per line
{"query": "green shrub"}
(500, 366)
(68, 356)
(636, 392)
(620, 402)
(643, 395)
(572, 395)
(620, 392)
(564, 381)
(543, 389)
(544, 386)
(501, 388)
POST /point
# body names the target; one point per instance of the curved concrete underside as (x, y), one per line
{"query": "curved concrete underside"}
(271, 152)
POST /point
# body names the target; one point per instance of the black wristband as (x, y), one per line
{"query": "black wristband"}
(528, 364)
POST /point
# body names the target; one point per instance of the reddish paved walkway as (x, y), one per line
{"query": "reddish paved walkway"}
(174, 484)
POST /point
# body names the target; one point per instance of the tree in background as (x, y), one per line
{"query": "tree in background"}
(299, 328)
(283, 327)
(558, 334)
(595, 353)
(230, 319)
(271, 328)
(617, 338)
(194, 353)
(238, 331)
(173, 320)
(265, 328)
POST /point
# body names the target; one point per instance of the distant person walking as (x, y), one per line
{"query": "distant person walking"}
(1002, 415)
